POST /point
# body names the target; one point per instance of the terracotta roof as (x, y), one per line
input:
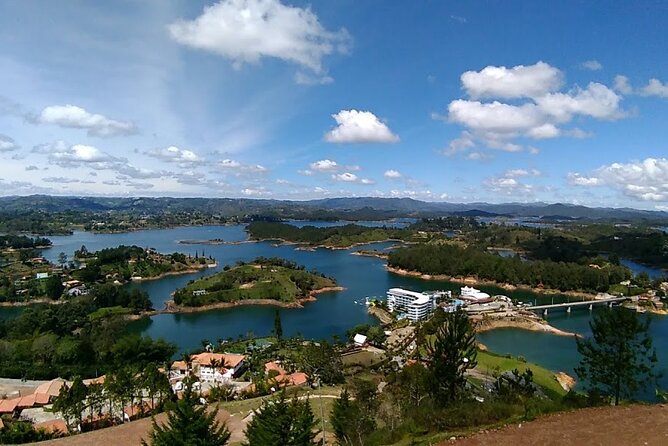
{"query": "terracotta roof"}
(42, 398)
(52, 426)
(273, 365)
(298, 378)
(9, 406)
(224, 359)
(52, 387)
(26, 401)
(136, 409)
(98, 380)
(179, 365)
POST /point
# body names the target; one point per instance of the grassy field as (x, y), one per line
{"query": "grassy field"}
(253, 281)
(489, 363)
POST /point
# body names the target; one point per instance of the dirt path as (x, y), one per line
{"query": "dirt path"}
(132, 433)
(600, 426)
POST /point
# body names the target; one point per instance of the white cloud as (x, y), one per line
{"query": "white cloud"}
(576, 179)
(392, 174)
(238, 168)
(245, 31)
(542, 115)
(305, 172)
(173, 154)
(508, 186)
(478, 156)
(622, 85)
(60, 180)
(514, 173)
(255, 191)
(324, 166)
(655, 88)
(72, 116)
(347, 177)
(591, 65)
(7, 144)
(359, 127)
(516, 82)
(80, 153)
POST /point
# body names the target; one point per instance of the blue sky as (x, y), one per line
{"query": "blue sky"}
(445, 101)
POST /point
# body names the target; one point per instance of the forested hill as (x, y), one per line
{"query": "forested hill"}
(352, 208)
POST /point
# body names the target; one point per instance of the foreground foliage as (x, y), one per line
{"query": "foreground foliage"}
(619, 359)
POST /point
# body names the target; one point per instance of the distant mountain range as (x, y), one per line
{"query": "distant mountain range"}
(354, 206)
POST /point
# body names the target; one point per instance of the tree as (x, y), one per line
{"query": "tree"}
(54, 287)
(62, 259)
(351, 424)
(189, 423)
(278, 326)
(282, 422)
(618, 359)
(71, 401)
(450, 353)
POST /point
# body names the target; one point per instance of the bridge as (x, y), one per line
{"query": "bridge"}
(570, 305)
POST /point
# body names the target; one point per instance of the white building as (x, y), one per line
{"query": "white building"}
(473, 295)
(416, 305)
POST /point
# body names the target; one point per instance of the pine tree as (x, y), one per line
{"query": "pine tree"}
(619, 359)
(350, 423)
(280, 422)
(278, 326)
(451, 353)
(189, 424)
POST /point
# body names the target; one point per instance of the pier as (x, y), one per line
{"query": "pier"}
(570, 305)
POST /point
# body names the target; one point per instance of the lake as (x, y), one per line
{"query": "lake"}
(332, 314)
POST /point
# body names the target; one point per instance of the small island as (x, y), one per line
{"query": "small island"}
(264, 281)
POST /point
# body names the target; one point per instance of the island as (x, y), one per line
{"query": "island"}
(264, 281)
(335, 237)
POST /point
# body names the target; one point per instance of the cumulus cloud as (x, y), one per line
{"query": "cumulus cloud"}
(514, 173)
(591, 65)
(71, 116)
(324, 166)
(7, 144)
(173, 154)
(245, 31)
(347, 177)
(80, 153)
(238, 168)
(508, 186)
(359, 127)
(655, 88)
(641, 180)
(392, 174)
(538, 110)
(516, 82)
(622, 85)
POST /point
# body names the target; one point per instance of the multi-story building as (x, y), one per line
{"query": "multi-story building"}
(416, 306)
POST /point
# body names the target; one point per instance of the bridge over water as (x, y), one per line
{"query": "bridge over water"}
(570, 305)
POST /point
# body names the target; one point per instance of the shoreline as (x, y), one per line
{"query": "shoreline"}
(490, 323)
(191, 270)
(378, 255)
(470, 280)
(32, 302)
(305, 246)
(172, 308)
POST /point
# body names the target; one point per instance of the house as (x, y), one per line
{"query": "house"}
(52, 426)
(359, 340)
(72, 283)
(40, 276)
(80, 290)
(51, 388)
(283, 378)
(217, 367)
(179, 369)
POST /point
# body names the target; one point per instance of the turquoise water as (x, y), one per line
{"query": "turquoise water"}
(332, 314)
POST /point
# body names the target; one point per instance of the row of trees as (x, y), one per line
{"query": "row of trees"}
(103, 403)
(22, 242)
(453, 260)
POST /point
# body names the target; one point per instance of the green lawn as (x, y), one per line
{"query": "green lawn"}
(490, 363)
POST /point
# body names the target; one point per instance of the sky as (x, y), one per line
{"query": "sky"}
(496, 101)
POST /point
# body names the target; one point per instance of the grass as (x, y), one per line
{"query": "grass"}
(490, 362)
(363, 358)
(108, 311)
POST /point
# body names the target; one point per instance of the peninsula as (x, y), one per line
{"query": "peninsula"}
(264, 281)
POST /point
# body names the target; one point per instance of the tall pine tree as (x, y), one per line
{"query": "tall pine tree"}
(451, 352)
(280, 422)
(619, 359)
(189, 424)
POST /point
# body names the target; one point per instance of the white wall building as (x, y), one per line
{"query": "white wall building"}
(417, 306)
